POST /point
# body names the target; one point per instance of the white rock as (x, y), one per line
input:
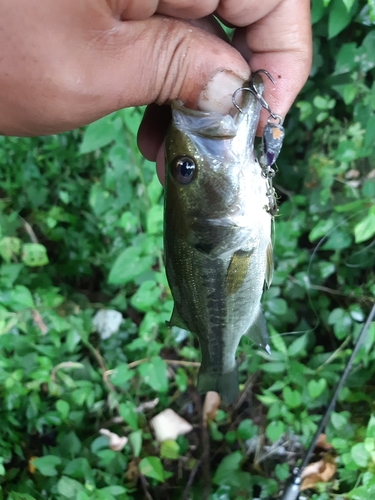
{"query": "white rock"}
(169, 425)
(107, 322)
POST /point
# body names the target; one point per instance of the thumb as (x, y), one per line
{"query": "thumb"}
(161, 59)
(98, 64)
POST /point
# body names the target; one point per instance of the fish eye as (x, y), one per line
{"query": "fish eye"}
(183, 169)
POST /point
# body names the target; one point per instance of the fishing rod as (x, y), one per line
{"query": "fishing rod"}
(292, 489)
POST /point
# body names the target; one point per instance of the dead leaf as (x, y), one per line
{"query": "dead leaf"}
(318, 472)
(322, 443)
(210, 406)
(116, 443)
(169, 425)
(30, 466)
(147, 405)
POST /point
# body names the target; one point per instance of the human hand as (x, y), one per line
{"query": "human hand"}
(67, 63)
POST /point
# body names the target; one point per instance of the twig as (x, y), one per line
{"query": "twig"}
(172, 362)
(205, 457)
(101, 364)
(65, 364)
(145, 487)
(29, 230)
(248, 384)
(194, 470)
(177, 362)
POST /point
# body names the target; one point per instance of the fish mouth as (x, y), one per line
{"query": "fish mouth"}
(214, 125)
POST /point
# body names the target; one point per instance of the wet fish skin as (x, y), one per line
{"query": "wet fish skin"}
(217, 236)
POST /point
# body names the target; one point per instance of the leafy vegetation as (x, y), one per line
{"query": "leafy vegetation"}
(81, 232)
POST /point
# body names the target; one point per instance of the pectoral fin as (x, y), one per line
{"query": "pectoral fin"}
(237, 270)
(258, 333)
(176, 320)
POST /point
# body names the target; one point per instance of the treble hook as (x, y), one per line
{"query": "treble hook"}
(251, 88)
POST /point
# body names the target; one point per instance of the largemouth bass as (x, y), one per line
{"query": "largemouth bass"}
(217, 235)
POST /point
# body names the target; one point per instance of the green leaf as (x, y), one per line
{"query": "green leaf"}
(152, 467)
(360, 455)
(341, 321)
(34, 255)
(278, 342)
(291, 397)
(321, 229)
(128, 265)
(135, 440)
(368, 51)
(278, 307)
(78, 468)
(298, 346)
(316, 387)
(348, 4)
(99, 134)
(169, 449)
(246, 429)
(13, 495)
(370, 132)
(69, 488)
(155, 220)
(274, 367)
(128, 413)
(337, 240)
(230, 464)
(338, 19)
(63, 408)
(47, 465)
(365, 229)
(154, 374)
(338, 420)
(282, 471)
(112, 491)
(9, 246)
(146, 296)
(181, 380)
(275, 430)
(18, 299)
(121, 376)
(345, 60)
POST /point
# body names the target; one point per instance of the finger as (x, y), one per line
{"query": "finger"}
(174, 65)
(187, 9)
(156, 118)
(245, 12)
(280, 43)
(133, 10)
(152, 130)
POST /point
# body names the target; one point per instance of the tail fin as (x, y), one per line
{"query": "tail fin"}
(226, 384)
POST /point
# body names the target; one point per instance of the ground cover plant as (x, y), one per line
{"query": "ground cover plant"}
(81, 234)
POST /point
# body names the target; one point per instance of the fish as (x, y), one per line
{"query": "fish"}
(217, 235)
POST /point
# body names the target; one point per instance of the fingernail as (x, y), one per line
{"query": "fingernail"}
(217, 95)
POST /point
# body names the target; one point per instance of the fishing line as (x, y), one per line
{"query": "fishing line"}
(293, 485)
(356, 254)
(308, 284)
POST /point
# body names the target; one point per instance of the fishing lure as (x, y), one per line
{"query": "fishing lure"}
(272, 139)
